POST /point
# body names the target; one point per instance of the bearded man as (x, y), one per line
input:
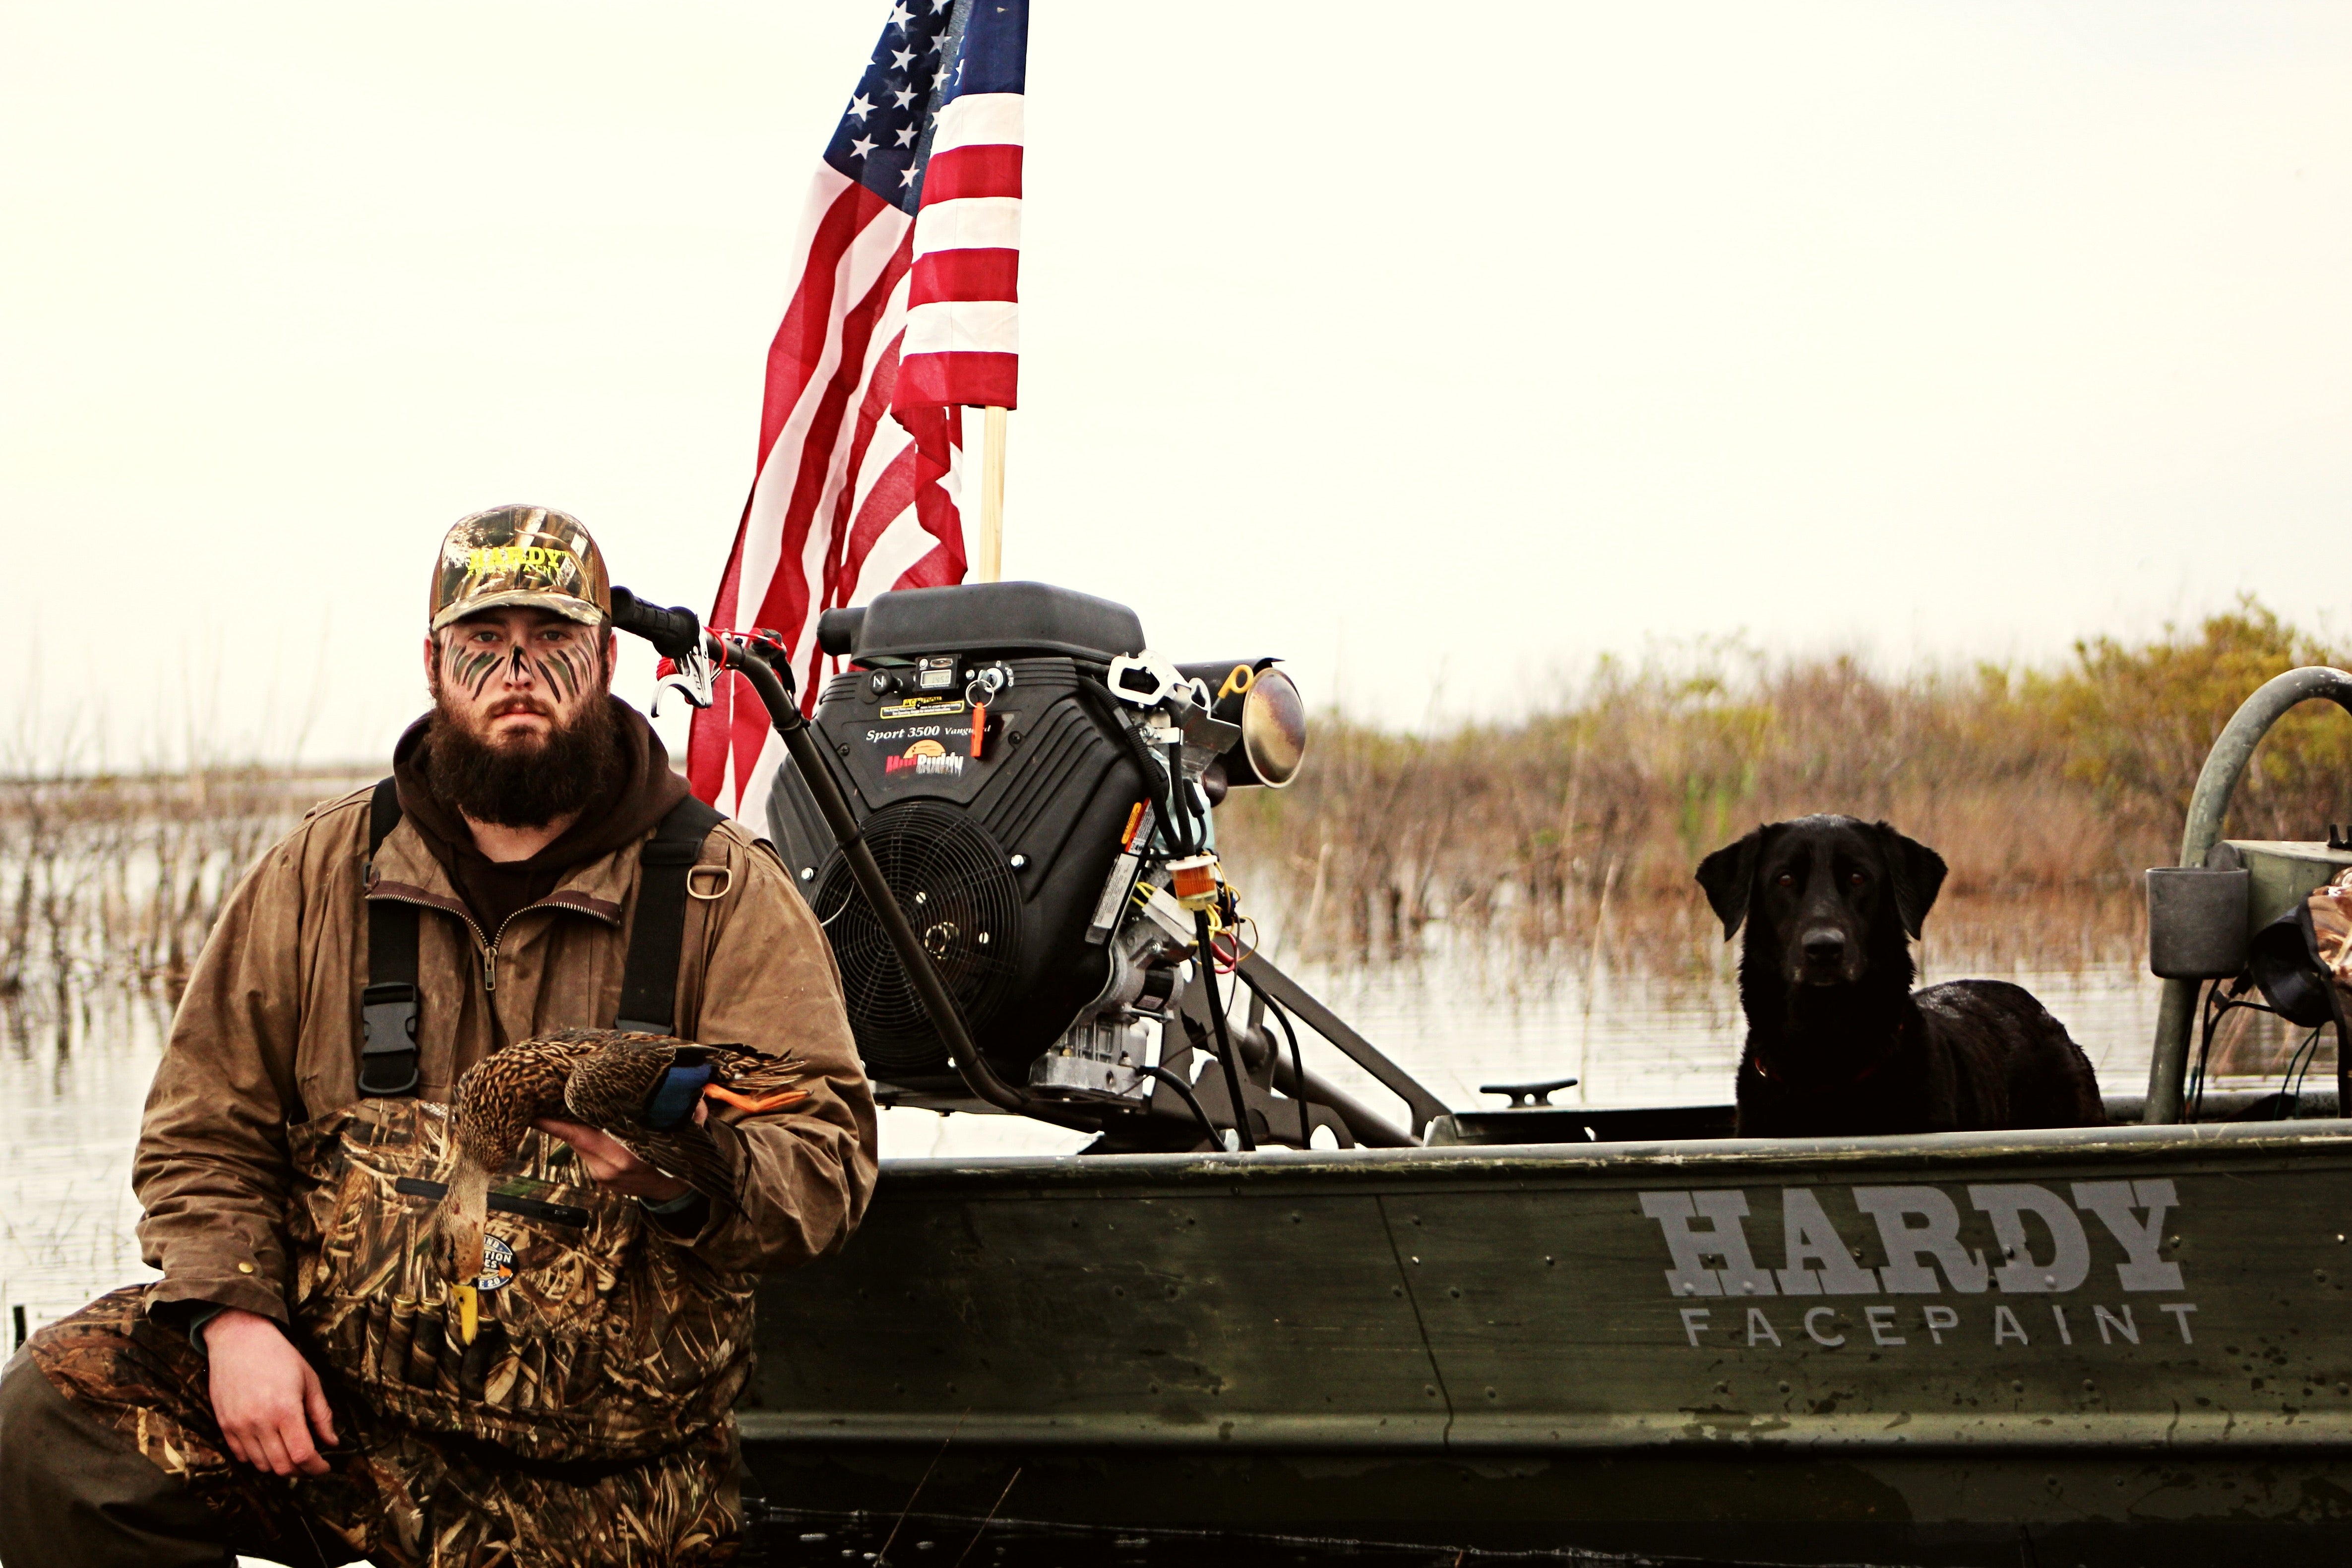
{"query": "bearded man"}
(298, 1384)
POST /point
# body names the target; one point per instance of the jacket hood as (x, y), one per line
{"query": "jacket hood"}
(629, 806)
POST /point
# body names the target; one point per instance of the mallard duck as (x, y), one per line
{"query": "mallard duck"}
(642, 1089)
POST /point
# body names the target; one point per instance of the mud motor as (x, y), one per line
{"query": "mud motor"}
(1038, 789)
(1003, 814)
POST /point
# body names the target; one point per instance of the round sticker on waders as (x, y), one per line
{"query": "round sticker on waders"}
(498, 1264)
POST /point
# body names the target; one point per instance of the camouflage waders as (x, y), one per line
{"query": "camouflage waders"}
(599, 1339)
(400, 1498)
(587, 1423)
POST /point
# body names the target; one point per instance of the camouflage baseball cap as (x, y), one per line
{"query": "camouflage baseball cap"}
(520, 555)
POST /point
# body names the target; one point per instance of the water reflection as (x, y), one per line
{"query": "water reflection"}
(1466, 1014)
(73, 1076)
(780, 1537)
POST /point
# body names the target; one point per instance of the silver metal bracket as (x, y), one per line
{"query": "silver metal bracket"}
(689, 676)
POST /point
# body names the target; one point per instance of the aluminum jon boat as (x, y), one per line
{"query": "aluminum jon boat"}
(1535, 1329)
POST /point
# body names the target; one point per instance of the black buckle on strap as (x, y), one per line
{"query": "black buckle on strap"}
(388, 1054)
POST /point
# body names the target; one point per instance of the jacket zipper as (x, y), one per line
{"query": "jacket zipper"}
(490, 948)
(486, 946)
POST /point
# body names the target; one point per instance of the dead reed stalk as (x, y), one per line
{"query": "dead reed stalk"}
(110, 880)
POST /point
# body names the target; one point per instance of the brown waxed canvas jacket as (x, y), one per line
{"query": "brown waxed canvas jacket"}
(268, 1036)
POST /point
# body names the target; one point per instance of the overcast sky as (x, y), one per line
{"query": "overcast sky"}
(1438, 347)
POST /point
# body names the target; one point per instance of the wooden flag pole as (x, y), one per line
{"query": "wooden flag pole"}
(990, 566)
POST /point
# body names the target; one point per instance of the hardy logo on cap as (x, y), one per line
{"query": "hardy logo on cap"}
(519, 559)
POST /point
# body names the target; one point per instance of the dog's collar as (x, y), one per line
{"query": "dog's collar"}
(1764, 1068)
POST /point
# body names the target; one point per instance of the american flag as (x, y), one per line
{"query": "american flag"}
(903, 307)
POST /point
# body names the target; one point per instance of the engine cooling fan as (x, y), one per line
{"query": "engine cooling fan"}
(954, 884)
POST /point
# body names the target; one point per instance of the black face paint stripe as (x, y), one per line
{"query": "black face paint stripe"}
(561, 669)
(470, 668)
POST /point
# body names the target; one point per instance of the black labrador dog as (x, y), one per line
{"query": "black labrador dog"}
(1837, 1042)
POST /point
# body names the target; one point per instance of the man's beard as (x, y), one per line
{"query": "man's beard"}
(524, 786)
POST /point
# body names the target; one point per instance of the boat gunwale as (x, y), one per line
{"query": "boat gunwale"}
(1352, 1436)
(2063, 1147)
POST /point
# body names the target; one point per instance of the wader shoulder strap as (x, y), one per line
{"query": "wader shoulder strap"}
(649, 975)
(388, 1004)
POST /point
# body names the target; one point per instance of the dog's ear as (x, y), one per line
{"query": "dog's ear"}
(1729, 875)
(1917, 874)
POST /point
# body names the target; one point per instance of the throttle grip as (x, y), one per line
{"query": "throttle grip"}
(675, 632)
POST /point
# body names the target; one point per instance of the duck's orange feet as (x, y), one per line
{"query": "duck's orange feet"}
(756, 1104)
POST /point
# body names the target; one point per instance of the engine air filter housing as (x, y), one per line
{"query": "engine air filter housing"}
(997, 822)
(959, 893)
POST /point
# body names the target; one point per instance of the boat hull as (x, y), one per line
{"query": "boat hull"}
(2126, 1344)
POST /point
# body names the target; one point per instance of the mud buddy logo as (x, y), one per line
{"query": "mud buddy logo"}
(926, 759)
(1918, 1232)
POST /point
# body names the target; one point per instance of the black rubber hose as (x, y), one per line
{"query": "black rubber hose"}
(1180, 801)
(978, 1076)
(1297, 1071)
(1298, 1058)
(1225, 1038)
(1098, 702)
(2216, 1006)
(1184, 1089)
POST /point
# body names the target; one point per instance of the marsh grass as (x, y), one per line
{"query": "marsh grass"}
(111, 880)
(1574, 834)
